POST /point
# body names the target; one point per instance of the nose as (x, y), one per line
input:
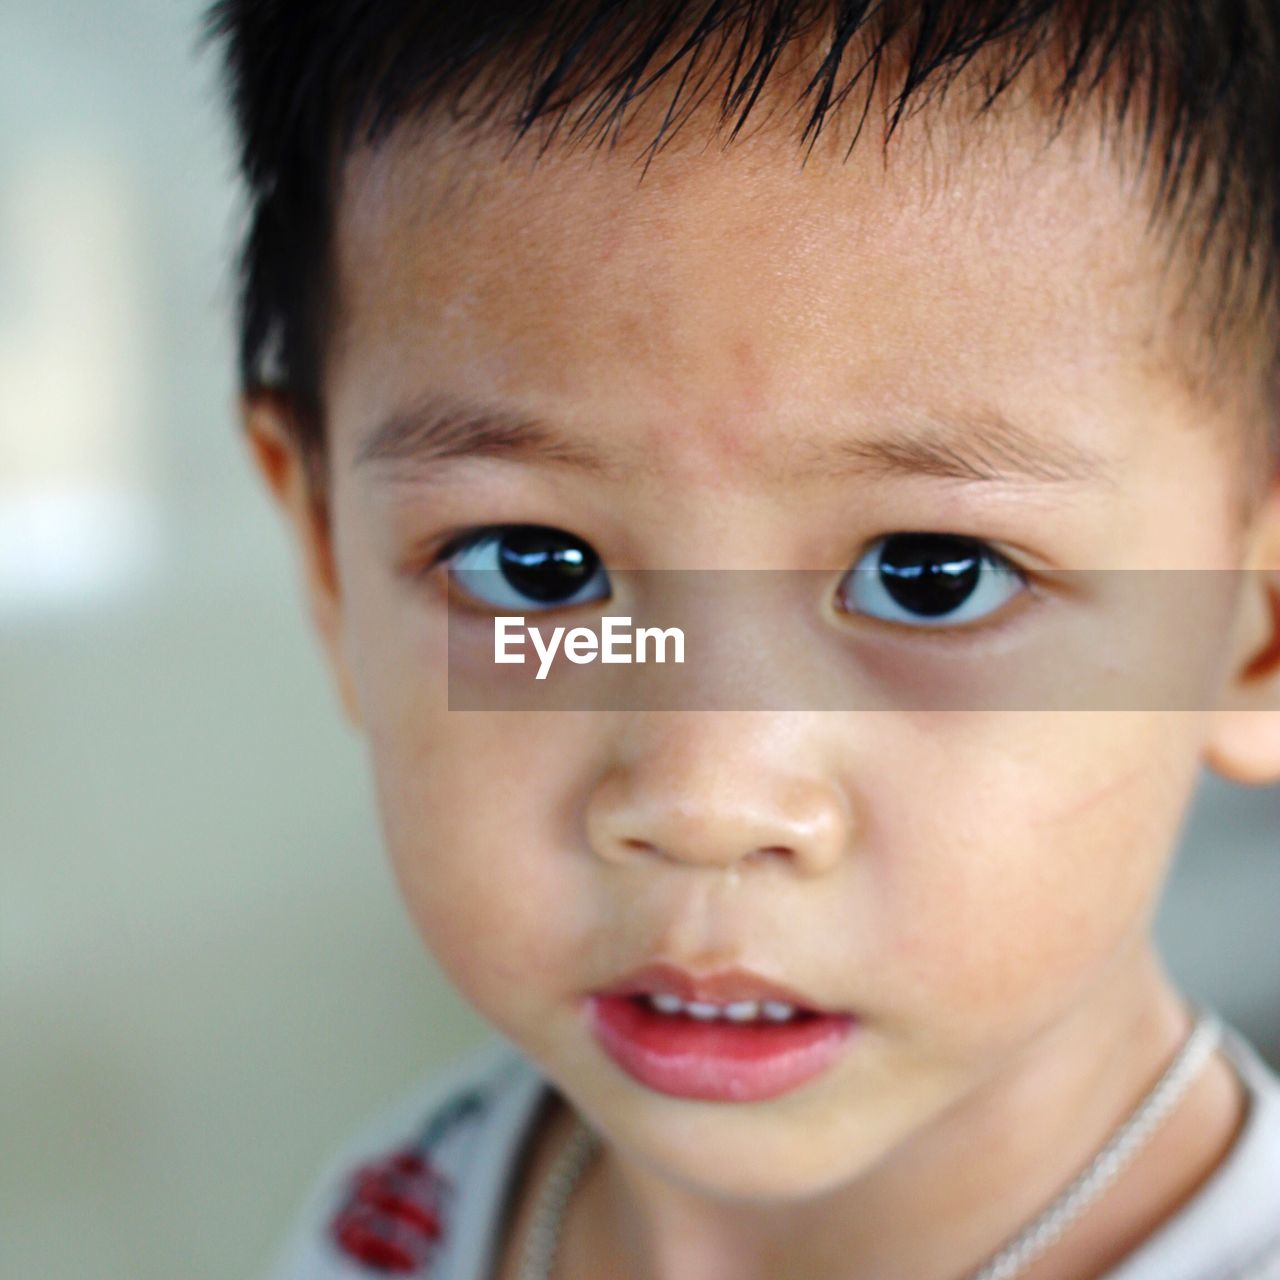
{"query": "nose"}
(718, 789)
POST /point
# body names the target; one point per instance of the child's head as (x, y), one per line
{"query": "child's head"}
(994, 326)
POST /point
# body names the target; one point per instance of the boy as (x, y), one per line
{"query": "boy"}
(813, 992)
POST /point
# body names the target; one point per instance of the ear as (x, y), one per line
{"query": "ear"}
(271, 426)
(1244, 741)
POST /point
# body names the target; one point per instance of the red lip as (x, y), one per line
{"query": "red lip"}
(721, 987)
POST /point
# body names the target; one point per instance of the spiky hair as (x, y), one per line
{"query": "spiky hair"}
(309, 80)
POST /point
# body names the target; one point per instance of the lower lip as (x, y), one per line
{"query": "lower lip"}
(716, 1061)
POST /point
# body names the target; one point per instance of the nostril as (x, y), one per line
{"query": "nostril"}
(638, 846)
(774, 851)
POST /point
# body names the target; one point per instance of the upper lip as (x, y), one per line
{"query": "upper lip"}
(722, 986)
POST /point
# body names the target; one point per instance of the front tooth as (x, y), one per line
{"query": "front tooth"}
(742, 1010)
(778, 1010)
(702, 1010)
(665, 1002)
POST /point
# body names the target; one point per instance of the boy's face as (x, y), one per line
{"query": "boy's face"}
(968, 884)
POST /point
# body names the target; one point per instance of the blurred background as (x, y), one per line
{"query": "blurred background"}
(206, 980)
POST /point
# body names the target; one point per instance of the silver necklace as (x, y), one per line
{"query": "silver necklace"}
(1018, 1254)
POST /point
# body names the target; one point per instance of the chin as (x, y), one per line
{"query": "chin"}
(743, 1165)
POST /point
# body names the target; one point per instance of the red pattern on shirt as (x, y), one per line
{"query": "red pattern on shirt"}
(391, 1219)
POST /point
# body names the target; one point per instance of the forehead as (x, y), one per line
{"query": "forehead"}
(740, 287)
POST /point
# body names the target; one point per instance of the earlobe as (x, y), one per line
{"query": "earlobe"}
(278, 454)
(1244, 740)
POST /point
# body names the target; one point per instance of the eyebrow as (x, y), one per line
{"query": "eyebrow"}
(982, 447)
(979, 448)
(439, 428)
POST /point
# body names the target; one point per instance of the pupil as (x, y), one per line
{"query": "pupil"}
(545, 564)
(929, 575)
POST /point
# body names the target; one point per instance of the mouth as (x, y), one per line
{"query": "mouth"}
(716, 991)
(731, 1036)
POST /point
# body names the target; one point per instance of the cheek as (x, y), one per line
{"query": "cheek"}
(474, 809)
(473, 805)
(1039, 853)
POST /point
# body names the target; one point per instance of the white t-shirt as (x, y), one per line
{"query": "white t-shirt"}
(426, 1190)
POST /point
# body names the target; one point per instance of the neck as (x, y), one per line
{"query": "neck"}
(941, 1203)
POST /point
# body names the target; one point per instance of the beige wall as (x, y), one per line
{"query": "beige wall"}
(205, 977)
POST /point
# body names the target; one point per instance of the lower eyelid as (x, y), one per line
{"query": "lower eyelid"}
(991, 628)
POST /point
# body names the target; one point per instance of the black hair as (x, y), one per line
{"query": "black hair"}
(309, 80)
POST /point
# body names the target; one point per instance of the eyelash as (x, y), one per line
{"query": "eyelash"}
(461, 541)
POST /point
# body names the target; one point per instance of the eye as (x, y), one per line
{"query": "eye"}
(524, 567)
(930, 580)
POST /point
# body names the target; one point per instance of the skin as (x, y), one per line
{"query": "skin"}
(976, 885)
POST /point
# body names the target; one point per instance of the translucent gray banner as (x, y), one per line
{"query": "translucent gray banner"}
(822, 640)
